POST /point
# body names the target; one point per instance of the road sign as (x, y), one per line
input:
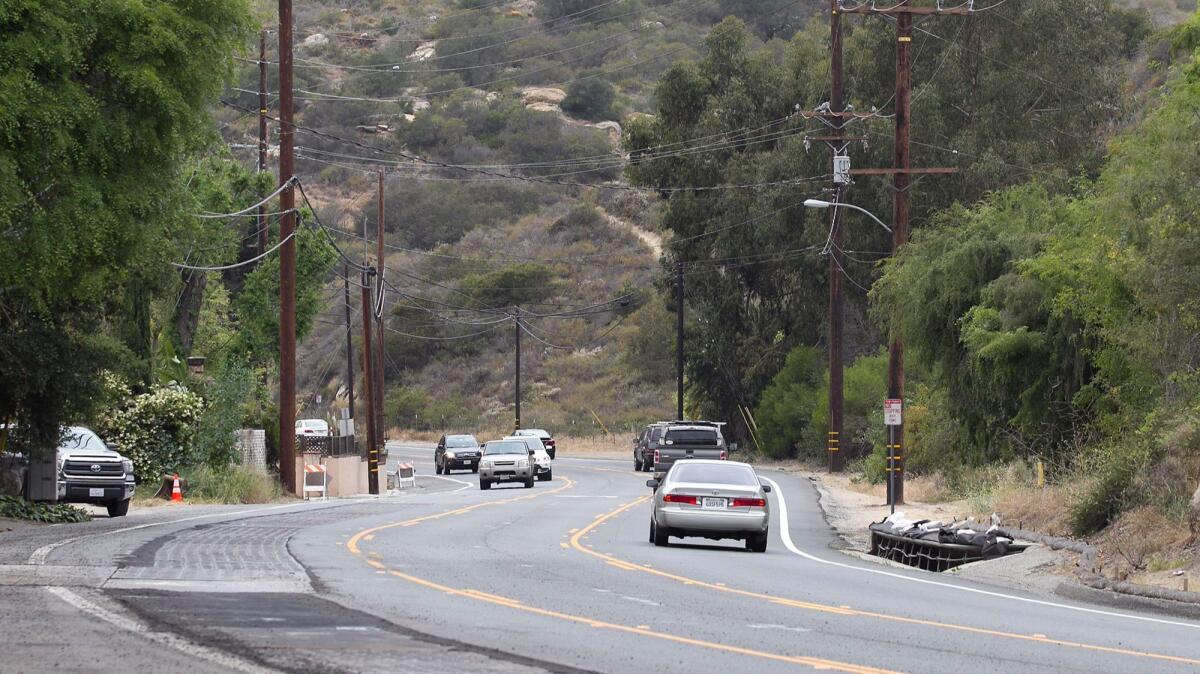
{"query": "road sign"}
(892, 415)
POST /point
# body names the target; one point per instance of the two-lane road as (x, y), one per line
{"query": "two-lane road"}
(565, 573)
(558, 578)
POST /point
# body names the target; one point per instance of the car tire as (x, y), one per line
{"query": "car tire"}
(117, 508)
(544, 477)
(757, 542)
(529, 483)
(485, 485)
(660, 534)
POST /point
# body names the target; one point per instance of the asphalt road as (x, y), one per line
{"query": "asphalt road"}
(558, 578)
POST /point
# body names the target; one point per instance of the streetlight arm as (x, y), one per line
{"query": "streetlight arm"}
(817, 203)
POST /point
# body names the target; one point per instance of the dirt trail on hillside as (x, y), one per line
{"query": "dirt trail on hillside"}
(652, 240)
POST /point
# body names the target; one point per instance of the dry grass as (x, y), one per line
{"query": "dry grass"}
(611, 446)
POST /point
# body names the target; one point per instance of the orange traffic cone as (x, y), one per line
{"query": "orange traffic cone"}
(176, 493)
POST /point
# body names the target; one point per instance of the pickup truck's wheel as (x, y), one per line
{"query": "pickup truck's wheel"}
(485, 485)
(117, 508)
(757, 542)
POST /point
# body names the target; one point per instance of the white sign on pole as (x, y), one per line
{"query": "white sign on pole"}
(892, 412)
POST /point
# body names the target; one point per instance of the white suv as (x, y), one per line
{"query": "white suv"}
(541, 457)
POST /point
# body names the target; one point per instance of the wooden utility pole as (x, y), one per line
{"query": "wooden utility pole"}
(517, 370)
(903, 11)
(349, 339)
(263, 234)
(287, 257)
(368, 385)
(836, 238)
(679, 341)
(381, 427)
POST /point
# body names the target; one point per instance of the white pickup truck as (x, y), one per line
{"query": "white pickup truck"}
(84, 470)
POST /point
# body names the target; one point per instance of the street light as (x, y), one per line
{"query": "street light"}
(817, 203)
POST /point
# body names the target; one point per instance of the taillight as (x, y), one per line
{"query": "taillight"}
(656, 456)
(723, 455)
(680, 498)
(748, 503)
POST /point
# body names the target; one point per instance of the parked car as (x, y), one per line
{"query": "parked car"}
(456, 451)
(711, 499)
(547, 439)
(506, 461)
(541, 458)
(645, 444)
(312, 427)
(85, 470)
(690, 440)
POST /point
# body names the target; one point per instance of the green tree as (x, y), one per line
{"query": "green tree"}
(590, 96)
(511, 286)
(100, 102)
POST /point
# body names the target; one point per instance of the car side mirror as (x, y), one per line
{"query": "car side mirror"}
(653, 484)
(766, 489)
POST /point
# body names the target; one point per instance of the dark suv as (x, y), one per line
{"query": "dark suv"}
(456, 451)
(644, 445)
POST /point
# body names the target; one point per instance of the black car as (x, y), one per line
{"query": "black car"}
(456, 451)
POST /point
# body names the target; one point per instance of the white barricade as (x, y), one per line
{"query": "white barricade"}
(315, 479)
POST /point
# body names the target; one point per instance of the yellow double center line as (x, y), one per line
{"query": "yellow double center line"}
(842, 610)
(353, 545)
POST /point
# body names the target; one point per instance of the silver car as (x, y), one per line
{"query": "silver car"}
(506, 461)
(710, 499)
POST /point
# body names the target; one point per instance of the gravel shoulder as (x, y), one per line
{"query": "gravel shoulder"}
(850, 508)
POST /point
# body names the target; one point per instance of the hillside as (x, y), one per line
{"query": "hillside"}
(531, 93)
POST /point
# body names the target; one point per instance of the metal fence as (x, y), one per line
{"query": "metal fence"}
(327, 445)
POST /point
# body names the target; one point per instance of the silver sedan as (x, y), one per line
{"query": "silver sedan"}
(711, 499)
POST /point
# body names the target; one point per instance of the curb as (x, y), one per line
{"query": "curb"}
(1177, 609)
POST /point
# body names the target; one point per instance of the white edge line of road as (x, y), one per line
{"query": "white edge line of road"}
(465, 485)
(786, 535)
(184, 646)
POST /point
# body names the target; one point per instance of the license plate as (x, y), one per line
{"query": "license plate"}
(96, 493)
(713, 503)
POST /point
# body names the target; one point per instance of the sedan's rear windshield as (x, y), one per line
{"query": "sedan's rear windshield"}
(505, 448)
(714, 473)
(692, 437)
(454, 441)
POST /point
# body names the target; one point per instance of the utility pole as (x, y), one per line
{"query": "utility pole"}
(679, 340)
(287, 257)
(381, 427)
(836, 267)
(903, 13)
(349, 339)
(368, 385)
(517, 369)
(263, 234)
(900, 185)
